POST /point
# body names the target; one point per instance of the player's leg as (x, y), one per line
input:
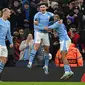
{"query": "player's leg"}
(32, 54)
(46, 58)
(37, 41)
(64, 45)
(3, 58)
(3, 61)
(67, 68)
(46, 53)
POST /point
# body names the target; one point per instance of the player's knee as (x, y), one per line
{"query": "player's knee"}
(46, 48)
(36, 46)
(1, 65)
(46, 55)
(3, 60)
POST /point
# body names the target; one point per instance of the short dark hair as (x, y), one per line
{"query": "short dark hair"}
(60, 14)
(42, 3)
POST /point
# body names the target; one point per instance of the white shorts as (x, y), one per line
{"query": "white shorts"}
(3, 51)
(44, 36)
(64, 45)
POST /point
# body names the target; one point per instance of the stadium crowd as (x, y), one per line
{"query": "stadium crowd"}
(22, 14)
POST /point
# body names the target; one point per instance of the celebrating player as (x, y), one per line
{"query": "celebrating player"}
(41, 19)
(64, 43)
(4, 31)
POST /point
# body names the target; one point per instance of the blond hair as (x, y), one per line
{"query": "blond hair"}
(5, 9)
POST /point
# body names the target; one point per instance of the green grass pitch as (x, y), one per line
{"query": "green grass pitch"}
(42, 83)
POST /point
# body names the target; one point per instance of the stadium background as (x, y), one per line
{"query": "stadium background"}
(19, 21)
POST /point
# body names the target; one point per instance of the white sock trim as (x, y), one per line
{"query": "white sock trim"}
(30, 63)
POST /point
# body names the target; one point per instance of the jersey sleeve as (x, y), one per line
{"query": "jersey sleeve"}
(9, 37)
(36, 18)
(38, 27)
(51, 14)
(55, 25)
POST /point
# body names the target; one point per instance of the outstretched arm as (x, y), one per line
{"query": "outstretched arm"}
(55, 25)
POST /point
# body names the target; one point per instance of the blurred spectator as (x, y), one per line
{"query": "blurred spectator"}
(71, 7)
(82, 13)
(70, 22)
(74, 36)
(33, 11)
(76, 17)
(26, 9)
(54, 5)
(35, 1)
(16, 45)
(17, 18)
(74, 57)
(82, 42)
(76, 3)
(21, 35)
(26, 47)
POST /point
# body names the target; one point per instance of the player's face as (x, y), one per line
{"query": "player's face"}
(56, 17)
(8, 13)
(43, 8)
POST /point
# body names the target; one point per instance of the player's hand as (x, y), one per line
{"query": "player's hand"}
(46, 28)
(49, 30)
(11, 45)
(36, 22)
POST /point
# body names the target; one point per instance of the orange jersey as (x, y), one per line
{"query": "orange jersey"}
(74, 57)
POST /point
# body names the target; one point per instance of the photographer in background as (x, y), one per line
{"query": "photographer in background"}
(74, 35)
